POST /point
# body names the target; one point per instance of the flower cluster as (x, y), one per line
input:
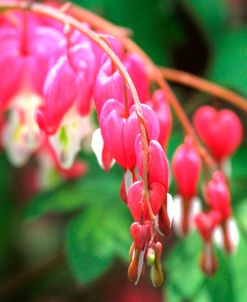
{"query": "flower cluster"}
(55, 75)
(44, 100)
(221, 131)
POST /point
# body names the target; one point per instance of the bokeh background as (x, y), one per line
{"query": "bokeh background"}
(71, 243)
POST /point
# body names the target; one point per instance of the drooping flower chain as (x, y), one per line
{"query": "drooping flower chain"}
(46, 114)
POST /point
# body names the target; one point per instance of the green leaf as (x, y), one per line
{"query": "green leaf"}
(239, 163)
(185, 282)
(95, 187)
(221, 286)
(95, 238)
(239, 268)
(239, 176)
(229, 284)
(229, 64)
(240, 216)
(184, 277)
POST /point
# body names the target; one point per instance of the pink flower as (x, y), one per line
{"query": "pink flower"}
(137, 202)
(62, 88)
(220, 130)
(120, 129)
(110, 83)
(22, 54)
(218, 195)
(65, 86)
(157, 162)
(161, 106)
(186, 167)
(206, 224)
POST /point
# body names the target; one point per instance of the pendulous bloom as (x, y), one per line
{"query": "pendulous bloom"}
(186, 168)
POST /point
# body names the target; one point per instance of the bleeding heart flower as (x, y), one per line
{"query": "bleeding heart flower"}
(157, 162)
(110, 83)
(220, 130)
(22, 58)
(140, 234)
(137, 202)
(186, 167)
(138, 74)
(62, 88)
(120, 129)
(206, 223)
(160, 105)
(218, 195)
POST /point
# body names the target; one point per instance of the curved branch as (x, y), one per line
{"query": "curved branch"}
(196, 82)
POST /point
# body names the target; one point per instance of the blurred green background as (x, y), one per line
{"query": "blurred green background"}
(71, 243)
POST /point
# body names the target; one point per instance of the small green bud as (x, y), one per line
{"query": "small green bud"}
(150, 256)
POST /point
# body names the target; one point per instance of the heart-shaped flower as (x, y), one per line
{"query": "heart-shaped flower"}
(25, 63)
(140, 234)
(186, 168)
(138, 204)
(157, 162)
(218, 195)
(220, 130)
(110, 83)
(160, 105)
(120, 128)
(206, 223)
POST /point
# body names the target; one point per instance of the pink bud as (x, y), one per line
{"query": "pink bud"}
(161, 106)
(119, 130)
(220, 130)
(109, 84)
(157, 162)
(218, 195)
(186, 167)
(138, 74)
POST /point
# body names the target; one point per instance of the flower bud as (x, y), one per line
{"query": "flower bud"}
(151, 256)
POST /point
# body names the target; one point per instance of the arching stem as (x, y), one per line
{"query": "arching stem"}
(59, 16)
(196, 82)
